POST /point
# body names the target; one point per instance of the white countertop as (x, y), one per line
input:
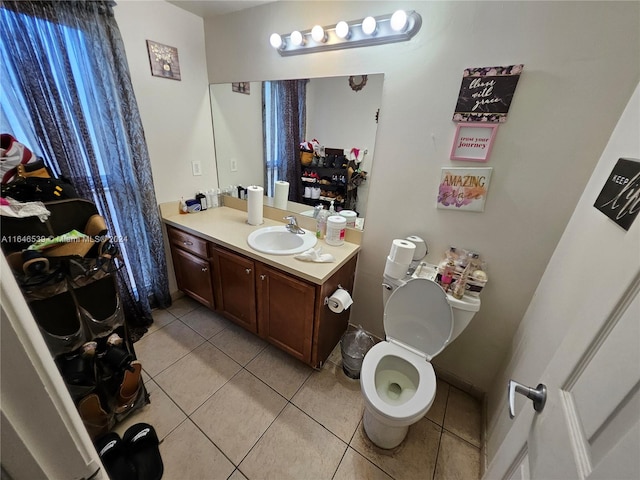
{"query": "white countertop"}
(228, 227)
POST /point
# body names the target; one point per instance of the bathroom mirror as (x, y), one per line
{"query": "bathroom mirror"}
(336, 114)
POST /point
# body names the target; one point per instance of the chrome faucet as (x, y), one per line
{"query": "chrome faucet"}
(292, 226)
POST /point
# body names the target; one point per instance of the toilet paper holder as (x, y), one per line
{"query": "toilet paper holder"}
(340, 287)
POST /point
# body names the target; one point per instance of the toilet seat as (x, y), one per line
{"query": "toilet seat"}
(426, 388)
(418, 316)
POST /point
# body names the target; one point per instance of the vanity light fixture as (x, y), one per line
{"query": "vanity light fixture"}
(398, 27)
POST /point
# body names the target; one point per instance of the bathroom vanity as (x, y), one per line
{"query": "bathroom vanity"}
(277, 297)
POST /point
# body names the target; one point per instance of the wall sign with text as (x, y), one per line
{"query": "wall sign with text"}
(464, 189)
(473, 141)
(486, 93)
(620, 196)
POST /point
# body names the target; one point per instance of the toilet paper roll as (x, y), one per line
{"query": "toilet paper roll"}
(281, 196)
(339, 301)
(402, 251)
(254, 204)
(421, 247)
(395, 270)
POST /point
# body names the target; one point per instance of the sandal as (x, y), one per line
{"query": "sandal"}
(129, 389)
(113, 454)
(142, 443)
(96, 420)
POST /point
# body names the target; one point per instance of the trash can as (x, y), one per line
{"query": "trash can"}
(354, 345)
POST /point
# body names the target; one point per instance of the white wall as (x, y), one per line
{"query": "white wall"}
(176, 115)
(549, 314)
(581, 65)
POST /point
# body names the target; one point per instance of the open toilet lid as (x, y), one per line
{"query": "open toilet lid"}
(418, 315)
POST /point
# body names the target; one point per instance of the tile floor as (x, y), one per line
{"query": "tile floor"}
(227, 405)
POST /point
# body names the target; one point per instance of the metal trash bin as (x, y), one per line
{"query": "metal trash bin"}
(354, 346)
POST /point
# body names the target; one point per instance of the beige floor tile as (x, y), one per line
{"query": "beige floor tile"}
(161, 318)
(188, 454)
(206, 322)
(237, 414)
(333, 400)
(335, 356)
(414, 459)
(239, 344)
(160, 349)
(237, 475)
(436, 412)
(162, 413)
(355, 466)
(182, 306)
(457, 460)
(464, 416)
(279, 370)
(294, 447)
(198, 375)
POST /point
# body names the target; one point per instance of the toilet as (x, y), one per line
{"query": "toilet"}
(397, 380)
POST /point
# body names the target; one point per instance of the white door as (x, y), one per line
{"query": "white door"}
(590, 425)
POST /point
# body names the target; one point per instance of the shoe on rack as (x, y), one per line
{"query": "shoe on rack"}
(60, 323)
(130, 388)
(115, 458)
(99, 305)
(95, 418)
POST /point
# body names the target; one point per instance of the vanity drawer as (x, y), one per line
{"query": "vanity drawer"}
(188, 242)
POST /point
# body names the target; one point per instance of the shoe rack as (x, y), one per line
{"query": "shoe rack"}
(72, 291)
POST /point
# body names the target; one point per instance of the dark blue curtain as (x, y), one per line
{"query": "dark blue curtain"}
(65, 82)
(284, 119)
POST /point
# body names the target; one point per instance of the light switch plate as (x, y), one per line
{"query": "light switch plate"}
(234, 165)
(196, 168)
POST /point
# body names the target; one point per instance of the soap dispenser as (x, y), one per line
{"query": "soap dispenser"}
(332, 210)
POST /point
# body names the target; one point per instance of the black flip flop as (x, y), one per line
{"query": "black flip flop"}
(141, 442)
(113, 454)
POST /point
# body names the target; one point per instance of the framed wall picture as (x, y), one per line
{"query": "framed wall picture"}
(486, 93)
(464, 189)
(619, 198)
(241, 87)
(164, 60)
(473, 141)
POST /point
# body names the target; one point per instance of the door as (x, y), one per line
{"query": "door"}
(286, 312)
(235, 288)
(193, 276)
(590, 426)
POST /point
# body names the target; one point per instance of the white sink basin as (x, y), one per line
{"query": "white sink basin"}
(280, 241)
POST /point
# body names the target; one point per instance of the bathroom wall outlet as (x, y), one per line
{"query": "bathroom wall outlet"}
(196, 168)
(234, 165)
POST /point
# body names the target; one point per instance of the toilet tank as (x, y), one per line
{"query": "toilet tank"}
(463, 311)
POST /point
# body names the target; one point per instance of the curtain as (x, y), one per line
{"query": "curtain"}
(284, 115)
(65, 78)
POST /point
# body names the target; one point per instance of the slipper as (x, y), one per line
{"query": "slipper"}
(114, 457)
(142, 443)
(130, 388)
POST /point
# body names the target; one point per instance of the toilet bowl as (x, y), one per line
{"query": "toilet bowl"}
(397, 380)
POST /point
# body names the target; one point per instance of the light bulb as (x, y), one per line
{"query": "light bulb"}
(398, 20)
(275, 40)
(296, 38)
(369, 25)
(342, 29)
(317, 33)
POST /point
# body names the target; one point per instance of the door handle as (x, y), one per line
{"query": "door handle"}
(538, 395)
(248, 270)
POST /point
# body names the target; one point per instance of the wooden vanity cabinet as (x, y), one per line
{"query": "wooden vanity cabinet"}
(192, 265)
(235, 288)
(287, 311)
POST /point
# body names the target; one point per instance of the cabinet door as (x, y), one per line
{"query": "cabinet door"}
(285, 311)
(235, 288)
(193, 276)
